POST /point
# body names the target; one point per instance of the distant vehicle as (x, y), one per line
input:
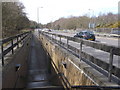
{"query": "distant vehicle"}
(46, 30)
(49, 30)
(115, 33)
(88, 35)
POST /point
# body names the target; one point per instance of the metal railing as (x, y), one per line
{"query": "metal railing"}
(8, 44)
(112, 50)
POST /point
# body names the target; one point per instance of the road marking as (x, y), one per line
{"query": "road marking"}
(103, 42)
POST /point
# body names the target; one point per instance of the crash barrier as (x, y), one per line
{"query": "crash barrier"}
(108, 35)
(9, 44)
(101, 34)
(108, 69)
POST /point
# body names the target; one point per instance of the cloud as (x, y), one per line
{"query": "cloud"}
(54, 9)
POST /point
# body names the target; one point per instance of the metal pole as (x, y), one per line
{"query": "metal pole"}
(39, 34)
(38, 15)
(2, 55)
(18, 42)
(110, 65)
(55, 38)
(80, 53)
(12, 46)
(60, 40)
(67, 42)
(51, 37)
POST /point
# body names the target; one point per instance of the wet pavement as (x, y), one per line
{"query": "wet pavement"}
(38, 73)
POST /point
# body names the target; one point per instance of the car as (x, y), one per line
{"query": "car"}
(115, 33)
(50, 30)
(86, 34)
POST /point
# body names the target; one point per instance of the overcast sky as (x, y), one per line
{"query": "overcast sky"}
(51, 10)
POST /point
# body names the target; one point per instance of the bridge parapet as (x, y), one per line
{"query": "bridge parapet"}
(73, 71)
(112, 52)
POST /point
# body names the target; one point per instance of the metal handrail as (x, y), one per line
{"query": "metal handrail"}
(113, 50)
(19, 38)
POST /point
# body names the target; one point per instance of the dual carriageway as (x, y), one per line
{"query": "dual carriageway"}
(96, 54)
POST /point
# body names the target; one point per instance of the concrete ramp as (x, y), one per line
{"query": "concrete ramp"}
(39, 73)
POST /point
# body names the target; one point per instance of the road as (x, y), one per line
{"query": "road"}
(106, 40)
(109, 41)
(99, 54)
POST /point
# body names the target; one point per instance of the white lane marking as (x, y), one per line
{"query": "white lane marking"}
(103, 42)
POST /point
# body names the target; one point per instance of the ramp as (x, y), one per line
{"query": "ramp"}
(39, 74)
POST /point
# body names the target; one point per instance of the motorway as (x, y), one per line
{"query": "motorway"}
(99, 54)
(91, 51)
(106, 40)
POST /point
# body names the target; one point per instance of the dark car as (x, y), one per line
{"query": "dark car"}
(88, 35)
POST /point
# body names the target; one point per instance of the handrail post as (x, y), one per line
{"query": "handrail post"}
(60, 40)
(39, 32)
(52, 37)
(18, 42)
(110, 65)
(67, 42)
(12, 46)
(80, 52)
(2, 54)
(55, 38)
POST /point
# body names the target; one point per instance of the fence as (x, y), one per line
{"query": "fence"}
(108, 69)
(10, 43)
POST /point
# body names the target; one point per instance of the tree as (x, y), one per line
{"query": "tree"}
(48, 25)
(82, 22)
(13, 18)
(33, 25)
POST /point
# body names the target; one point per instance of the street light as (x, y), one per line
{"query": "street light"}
(38, 14)
(91, 23)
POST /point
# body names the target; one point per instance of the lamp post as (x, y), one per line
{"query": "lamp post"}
(91, 23)
(38, 14)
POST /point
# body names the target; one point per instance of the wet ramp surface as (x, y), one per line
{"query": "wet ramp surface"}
(39, 75)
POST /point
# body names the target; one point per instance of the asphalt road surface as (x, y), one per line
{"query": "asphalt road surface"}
(106, 40)
(104, 56)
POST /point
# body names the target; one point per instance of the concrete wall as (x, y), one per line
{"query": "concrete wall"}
(73, 71)
(12, 78)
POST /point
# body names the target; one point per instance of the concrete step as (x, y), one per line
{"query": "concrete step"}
(37, 75)
(42, 85)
